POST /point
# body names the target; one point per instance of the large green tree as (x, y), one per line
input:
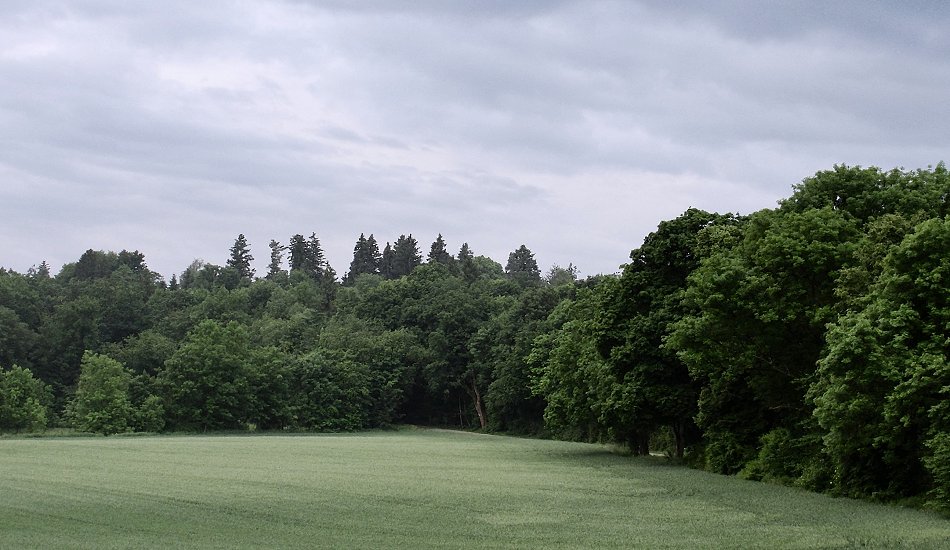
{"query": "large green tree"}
(205, 383)
(881, 392)
(101, 403)
(24, 401)
(653, 386)
(406, 256)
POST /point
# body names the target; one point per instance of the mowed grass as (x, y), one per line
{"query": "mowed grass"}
(409, 489)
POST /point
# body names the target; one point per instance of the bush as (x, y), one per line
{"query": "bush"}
(782, 458)
(150, 415)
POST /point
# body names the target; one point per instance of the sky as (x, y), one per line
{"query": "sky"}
(573, 127)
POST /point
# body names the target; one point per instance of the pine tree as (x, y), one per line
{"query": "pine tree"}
(315, 259)
(274, 269)
(386, 262)
(406, 256)
(241, 258)
(306, 256)
(522, 267)
(466, 263)
(366, 259)
(298, 252)
(438, 254)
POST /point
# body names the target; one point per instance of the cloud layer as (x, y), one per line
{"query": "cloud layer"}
(572, 127)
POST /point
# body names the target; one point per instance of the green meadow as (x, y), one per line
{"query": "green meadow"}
(409, 489)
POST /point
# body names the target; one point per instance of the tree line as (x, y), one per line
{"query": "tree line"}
(805, 344)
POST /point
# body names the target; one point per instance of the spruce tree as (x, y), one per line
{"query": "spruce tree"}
(306, 256)
(298, 252)
(386, 262)
(438, 254)
(315, 259)
(366, 259)
(522, 267)
(406, 256)
(241, 258)
(274, 269)
(466, 263)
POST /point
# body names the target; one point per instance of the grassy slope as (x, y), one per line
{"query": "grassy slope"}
(407, 489)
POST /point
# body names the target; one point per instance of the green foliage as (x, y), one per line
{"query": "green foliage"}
(757, 329)
(306, 257)
(24, 401)
(938, 463)
(405, 257)
(241, 258)
(438, 254)
(882, 383)
(522, 267)
(366, 259)
(333, 392)
(149, 416)
(567, 370)
(652, 385)
(101, 403)
(205, 383)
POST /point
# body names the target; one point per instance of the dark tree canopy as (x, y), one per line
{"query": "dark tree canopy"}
(438, 254)
(522, 267)
(306, 256)
(366, 259)
(406, 256)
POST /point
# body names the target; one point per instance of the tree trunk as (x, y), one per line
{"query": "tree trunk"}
(679, 435)
(479, 408)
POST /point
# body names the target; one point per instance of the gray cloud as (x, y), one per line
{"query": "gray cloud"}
(573, 127)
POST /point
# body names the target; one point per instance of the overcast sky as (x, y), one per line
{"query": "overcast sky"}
(572, 127)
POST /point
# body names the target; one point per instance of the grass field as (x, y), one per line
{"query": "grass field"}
(408, 489)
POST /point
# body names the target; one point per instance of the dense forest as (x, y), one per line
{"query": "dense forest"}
(805, 344)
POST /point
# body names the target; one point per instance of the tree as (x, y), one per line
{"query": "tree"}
(275, 270)
(298, 253)
(522, 267)
(466, 263)
(883, 383)
(759, 308)
(306, 256)
(205, 382)
(406, 256)
(316, 263)
(567, 370)
(502, 345)
(558, 275)
(366, 259)
(101, 403)
(332, 392)
(24, 401)
(438, 253)
(653, 386)
(386, 263)
(241, 258)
